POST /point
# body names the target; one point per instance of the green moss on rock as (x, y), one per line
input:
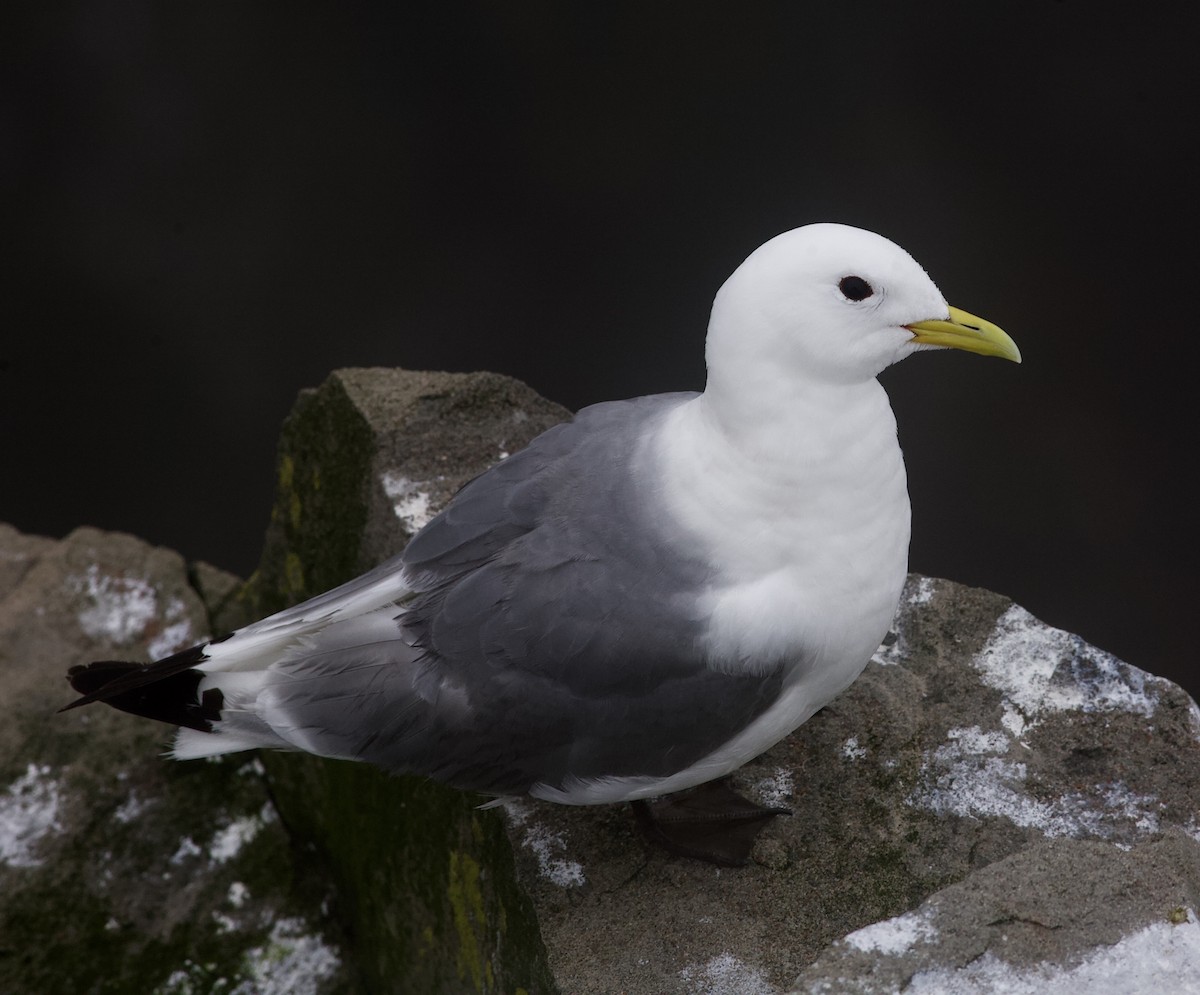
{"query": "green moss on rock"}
(120, 871)
(425, 881)
(315, 532)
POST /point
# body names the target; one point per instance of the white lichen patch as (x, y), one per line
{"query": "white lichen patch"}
(548, 847)
(176, 632)
(238, 895)
(852, 751)
(1122, 803)
(970, 775)
(894, 648)
(1023, 655)
(187, 848)
(777, 789)
(895, 936)
(131, 808)
(177, 983)
(228, 842)
(255, 767)
(121, 610)
(725, 975)
(411, 501)
(29, 810)
(1013, 721)
(292, 962)
(224, 923)
(1160, 958)
(919, 592)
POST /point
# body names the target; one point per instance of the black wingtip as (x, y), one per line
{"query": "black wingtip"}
(71, 675)
(166, 690)
(93, 680)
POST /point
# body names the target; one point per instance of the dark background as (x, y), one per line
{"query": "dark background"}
(212, 206)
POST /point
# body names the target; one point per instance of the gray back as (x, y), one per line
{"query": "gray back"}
(552, 631)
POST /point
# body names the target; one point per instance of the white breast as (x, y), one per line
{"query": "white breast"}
(806, 523)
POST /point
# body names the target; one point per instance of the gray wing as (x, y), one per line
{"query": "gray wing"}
(552, 632)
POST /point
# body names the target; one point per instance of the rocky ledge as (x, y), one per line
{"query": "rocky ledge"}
(994, 806)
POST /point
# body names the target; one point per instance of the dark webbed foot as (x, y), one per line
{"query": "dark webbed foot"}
(711, 822)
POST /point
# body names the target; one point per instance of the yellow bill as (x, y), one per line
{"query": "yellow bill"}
(965, 331)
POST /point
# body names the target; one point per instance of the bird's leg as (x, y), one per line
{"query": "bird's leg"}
(711, 822)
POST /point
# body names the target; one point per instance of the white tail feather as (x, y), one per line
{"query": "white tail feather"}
(241, 666)
(239, 728)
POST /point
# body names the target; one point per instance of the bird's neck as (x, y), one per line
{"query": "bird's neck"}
(824, 453)
(785, 478)
(808, 424)
(802, 512)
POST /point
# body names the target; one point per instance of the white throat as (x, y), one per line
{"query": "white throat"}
(806, 513)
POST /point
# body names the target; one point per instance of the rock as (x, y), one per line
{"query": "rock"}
(367, 459)
(218, 589)
(426, 881)
(981, 761)
(994, 802)
(1063, 915)
(120, 872)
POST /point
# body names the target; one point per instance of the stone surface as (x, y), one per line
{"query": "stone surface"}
(993, 806)
(120, 872)
(369, 457)
(981, 753)
(425, 880)
(1034, 921)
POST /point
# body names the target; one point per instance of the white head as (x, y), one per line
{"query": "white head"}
(826, 303)
(834, 305)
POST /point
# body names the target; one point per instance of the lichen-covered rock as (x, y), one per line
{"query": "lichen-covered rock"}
(1063, 915)
(120, 872)
(367, 459)
(425, 880)
(993, 806)
(982, 753)
(978, 734)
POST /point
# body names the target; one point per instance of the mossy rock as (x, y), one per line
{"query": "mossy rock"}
(425, 879)
(123, 872)
(120, 871)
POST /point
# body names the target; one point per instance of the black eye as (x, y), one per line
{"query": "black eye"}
(855, 288)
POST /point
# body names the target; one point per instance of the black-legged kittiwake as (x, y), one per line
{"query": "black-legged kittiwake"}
(641, 600)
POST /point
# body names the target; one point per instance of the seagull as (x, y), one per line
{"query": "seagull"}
(640, 601)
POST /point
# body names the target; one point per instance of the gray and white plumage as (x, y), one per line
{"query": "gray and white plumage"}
(645, 597)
